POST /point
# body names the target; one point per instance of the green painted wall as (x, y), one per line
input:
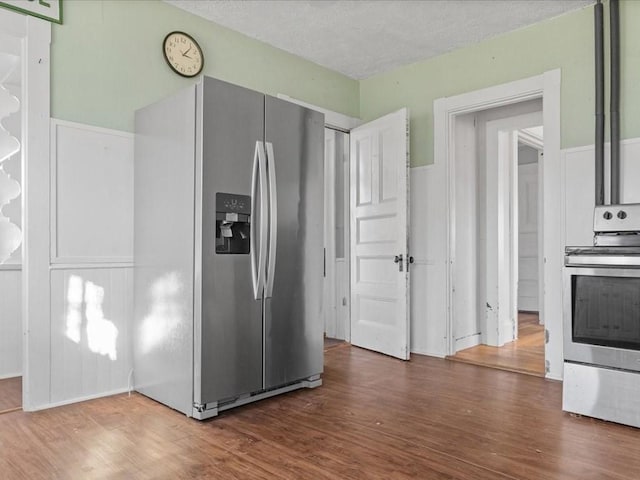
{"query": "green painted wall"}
(565, 42)
(106, 61)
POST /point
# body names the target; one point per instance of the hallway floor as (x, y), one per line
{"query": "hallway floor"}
(525, 355)
(10, 394)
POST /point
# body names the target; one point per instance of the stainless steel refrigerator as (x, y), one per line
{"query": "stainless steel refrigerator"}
(229, 252)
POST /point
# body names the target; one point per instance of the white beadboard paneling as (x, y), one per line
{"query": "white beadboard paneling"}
(83, 362)
(579, 196)
(10, 323)
(630, 168)
(343, 329)
(579, 191)
(91, 194)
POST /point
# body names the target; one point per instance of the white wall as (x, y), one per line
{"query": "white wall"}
(10, 324)
(466, 320)
(91, 263)
(428, 293)
(527, 155)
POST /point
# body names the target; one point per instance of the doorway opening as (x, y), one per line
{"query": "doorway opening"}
(497, 321)
(336, 238)
(450, 114)
(373, 309)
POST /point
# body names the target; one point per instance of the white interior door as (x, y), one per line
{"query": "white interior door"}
(379, 235)
(528, 237)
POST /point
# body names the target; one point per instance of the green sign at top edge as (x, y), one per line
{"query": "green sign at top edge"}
(50, 10)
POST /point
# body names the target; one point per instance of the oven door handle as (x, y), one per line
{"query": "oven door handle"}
(631, 261)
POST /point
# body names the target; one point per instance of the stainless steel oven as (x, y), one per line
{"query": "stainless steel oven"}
(602, 283)
(602, 307)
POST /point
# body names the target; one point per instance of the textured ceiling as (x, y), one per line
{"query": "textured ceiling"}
(361, 38)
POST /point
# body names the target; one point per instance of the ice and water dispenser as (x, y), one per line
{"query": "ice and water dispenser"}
(233, 217)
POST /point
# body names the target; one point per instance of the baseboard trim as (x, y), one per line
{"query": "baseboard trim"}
(77, 400)
(428, 353)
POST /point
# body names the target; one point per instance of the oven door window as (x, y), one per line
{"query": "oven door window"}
(606, 311)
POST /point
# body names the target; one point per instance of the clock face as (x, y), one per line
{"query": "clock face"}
(183, 54)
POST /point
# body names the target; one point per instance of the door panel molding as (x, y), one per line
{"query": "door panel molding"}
(379, 244)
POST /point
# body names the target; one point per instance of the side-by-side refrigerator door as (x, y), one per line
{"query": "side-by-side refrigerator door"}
(229, 350)
(294, 280)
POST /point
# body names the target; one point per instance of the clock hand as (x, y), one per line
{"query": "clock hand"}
(184, 54)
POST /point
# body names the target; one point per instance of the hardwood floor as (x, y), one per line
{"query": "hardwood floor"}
(374, 418)
(10, 394)
(330, 343)
(525, 355)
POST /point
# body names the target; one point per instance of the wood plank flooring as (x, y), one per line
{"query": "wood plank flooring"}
(525, 355)
(330, 343)
(374, 418)
(10, 394)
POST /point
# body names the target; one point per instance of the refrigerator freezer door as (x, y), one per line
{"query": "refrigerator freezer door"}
(231, 327)
(293, 313)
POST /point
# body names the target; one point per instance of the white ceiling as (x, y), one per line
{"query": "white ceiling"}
(361, 38)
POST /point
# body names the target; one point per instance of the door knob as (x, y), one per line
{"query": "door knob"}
(398, 260)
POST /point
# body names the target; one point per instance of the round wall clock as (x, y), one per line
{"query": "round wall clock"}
(183, 54)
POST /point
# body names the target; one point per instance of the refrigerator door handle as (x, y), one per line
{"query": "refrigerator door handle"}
(259, 174)
(273, 219)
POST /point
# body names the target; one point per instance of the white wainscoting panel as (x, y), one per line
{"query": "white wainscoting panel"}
(343, 329)
(91, 194)
(428, 273)
(579, 195)
(91, 312)
(10, 323)
(579, 187)
(91, 264)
